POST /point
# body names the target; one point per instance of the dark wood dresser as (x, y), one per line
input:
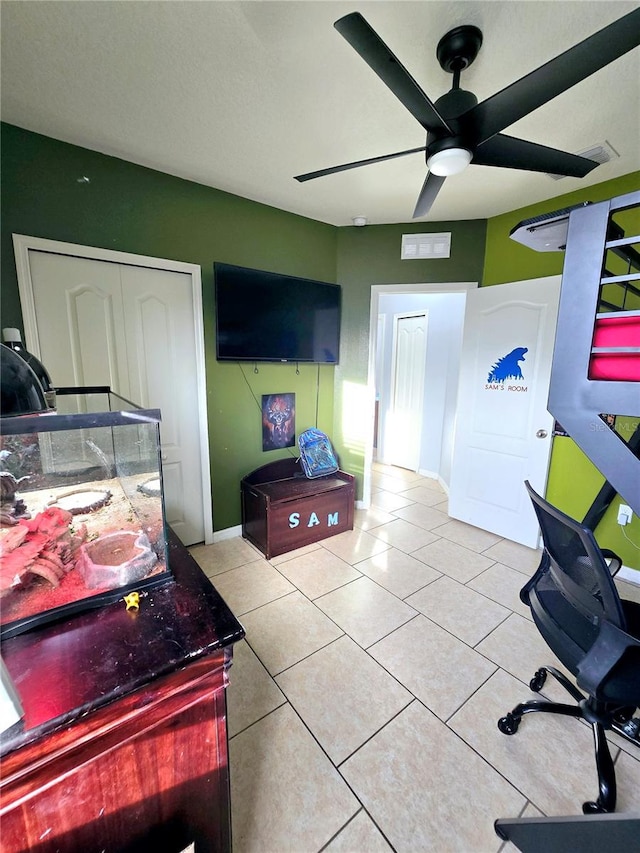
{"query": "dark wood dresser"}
(123, 745)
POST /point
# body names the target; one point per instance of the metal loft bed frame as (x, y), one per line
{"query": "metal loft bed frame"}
(596, 362)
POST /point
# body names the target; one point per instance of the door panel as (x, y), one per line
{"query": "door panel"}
(174, 493)
(404, 421)
(504, 382)
(80, 321)
(159, 329)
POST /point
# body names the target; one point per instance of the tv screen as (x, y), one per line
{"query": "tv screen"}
(264, 316)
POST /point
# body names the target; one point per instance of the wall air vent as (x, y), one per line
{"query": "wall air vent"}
(425, 246)
(600, 153)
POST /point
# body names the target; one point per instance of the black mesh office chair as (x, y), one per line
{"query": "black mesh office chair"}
(595, 634)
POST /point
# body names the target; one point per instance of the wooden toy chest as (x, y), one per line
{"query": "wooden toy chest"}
(283, 510)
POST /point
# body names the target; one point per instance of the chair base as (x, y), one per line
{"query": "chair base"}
(599, 716)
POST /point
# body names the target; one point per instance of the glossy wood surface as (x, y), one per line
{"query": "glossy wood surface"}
(124, 743)
(288, 490)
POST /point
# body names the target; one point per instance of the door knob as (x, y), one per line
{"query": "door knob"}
(542, 433)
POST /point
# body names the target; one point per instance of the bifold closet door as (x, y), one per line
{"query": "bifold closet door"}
(132, 328)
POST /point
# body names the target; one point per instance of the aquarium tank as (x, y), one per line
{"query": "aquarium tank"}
(82, 520)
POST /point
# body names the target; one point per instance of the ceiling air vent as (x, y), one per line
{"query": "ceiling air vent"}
(600, 153)
(425, 246)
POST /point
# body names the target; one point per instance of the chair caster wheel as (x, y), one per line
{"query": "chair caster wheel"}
(508, 725)
(592, 808)
(537, 682)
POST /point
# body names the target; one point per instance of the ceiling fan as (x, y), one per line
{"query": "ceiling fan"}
(459, 129)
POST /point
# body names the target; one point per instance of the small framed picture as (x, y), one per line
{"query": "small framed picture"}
(278, 421)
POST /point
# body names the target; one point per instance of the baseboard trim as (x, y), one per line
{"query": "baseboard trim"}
(227, 533)
(433, 475)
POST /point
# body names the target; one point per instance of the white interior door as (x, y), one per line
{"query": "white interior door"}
(132, 328)
(403, 422)
(503, 430)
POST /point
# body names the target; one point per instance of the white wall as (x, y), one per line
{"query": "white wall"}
(444, 339)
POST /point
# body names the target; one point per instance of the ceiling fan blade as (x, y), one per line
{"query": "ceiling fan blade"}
(428, 193)
(512, 153)
(556, 76)
(360, 35)
(333, 169)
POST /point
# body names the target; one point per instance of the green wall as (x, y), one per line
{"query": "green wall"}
(371, 256)
(132, 209)
(573, 480)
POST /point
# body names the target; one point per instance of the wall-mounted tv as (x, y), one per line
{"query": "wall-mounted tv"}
(265, 316)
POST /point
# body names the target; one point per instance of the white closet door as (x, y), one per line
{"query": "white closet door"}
(132, 328)
(403, 430)
(158, 313)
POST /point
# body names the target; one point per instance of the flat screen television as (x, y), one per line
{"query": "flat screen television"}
(265, 316)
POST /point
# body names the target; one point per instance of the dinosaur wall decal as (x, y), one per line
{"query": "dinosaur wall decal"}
(508, 366)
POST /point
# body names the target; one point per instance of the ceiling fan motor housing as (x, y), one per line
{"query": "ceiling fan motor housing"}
(450, 105)
(454, 103)
(437, 144)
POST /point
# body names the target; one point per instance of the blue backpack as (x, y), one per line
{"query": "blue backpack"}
(316, 453)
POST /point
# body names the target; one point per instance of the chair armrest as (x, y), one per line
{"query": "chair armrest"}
(530, 584)
(604, 654)
(613, 561)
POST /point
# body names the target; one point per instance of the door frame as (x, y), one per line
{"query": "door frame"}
(23, 244)
(376, 291)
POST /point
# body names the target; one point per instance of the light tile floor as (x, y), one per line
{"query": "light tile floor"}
(362, 705)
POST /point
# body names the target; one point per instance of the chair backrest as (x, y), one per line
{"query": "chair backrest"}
(573, 591)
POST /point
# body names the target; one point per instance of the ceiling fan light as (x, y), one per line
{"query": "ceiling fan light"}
(450, 161)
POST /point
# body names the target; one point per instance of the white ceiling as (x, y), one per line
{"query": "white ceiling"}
(243, 95)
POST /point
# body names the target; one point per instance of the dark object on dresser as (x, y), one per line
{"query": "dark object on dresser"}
(283, 510)
(595, 634)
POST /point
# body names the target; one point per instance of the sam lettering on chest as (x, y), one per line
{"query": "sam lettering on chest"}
(312, 520)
